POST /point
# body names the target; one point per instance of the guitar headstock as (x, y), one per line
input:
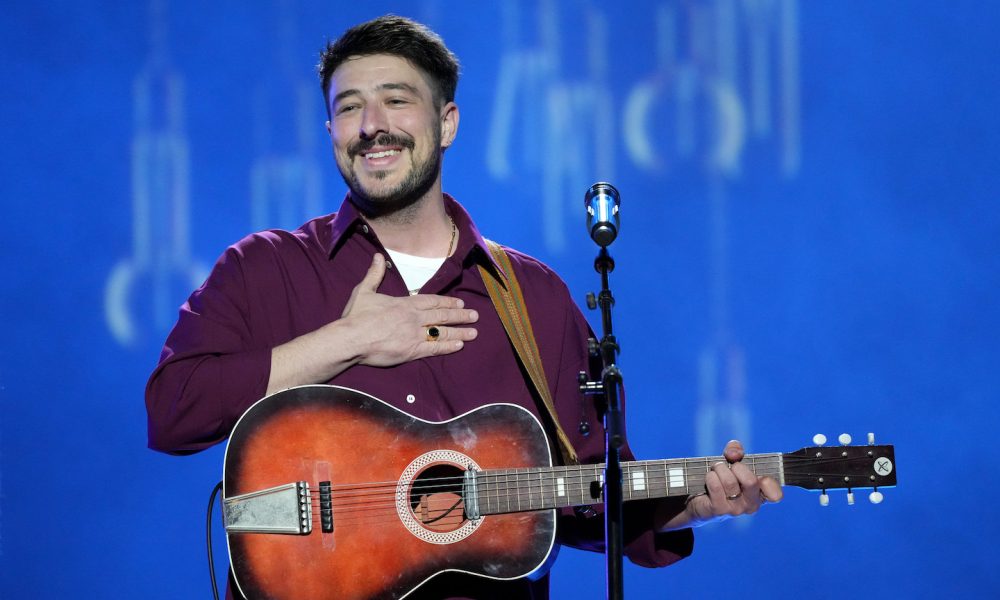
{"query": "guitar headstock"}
(841, 467)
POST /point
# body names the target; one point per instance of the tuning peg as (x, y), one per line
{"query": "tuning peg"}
(850, 498)
(824, 500)
(871, 439)
(875, 497)
(844, 439)
(819, 439)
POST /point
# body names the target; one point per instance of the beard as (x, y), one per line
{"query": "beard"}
(379, 201)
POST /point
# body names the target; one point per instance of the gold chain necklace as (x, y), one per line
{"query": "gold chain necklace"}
(454, 234)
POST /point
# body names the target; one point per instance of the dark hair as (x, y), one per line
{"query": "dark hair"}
(400, 37)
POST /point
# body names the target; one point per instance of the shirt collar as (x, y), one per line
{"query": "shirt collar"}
(470, 242)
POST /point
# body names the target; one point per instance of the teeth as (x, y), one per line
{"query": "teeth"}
(382, 154)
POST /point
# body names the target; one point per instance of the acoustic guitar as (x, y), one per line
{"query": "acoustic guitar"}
(330, 493)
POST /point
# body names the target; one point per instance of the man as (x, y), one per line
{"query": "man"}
(385, 296)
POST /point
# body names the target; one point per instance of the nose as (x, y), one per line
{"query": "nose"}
(373, 121)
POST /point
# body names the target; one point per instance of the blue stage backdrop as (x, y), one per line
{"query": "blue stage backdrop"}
(809, 244)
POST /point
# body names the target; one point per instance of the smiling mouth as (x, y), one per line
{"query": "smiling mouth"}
(381, 154)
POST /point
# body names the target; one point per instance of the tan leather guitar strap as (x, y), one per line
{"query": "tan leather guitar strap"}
(506, 294)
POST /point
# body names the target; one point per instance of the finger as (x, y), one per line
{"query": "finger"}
(720, 494)
(450, 334)
(734, 451)
(716, 493)
(432, 301)
(730, 484)
(440, 347)
(771, 490)
(375, 274)
(450, 316)
(748, 480)
(750, 495)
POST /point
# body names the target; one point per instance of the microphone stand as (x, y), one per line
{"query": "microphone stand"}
(614, 428)
(602, 201)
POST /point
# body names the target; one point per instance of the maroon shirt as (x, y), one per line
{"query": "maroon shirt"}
(274, 286)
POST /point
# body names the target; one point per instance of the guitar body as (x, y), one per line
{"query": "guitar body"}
(330, 493)
(393, 528)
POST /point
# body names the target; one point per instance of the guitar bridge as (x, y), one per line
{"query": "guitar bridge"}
(283, 509)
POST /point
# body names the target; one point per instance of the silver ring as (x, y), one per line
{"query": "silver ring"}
(734, 496)
(433, 333)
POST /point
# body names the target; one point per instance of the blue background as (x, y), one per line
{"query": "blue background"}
(835, 271)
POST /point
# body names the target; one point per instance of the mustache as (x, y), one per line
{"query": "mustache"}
(383, 139)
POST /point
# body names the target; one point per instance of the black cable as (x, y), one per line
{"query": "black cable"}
(208, 538)
(446, 513)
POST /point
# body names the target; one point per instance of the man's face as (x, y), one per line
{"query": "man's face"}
(386, 131)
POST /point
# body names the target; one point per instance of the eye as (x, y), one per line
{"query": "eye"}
(346, 108)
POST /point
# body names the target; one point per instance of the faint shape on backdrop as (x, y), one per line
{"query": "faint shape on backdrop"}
(538, 106)
(725, 81)
(726, 76)
(142, 291)
(285, 179)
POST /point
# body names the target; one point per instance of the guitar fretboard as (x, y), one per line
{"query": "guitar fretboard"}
(518, 490)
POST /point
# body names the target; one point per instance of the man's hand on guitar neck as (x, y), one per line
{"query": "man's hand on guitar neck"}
(375, 330)
(732, 489)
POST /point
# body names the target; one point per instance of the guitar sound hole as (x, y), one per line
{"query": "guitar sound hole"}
(436, 497)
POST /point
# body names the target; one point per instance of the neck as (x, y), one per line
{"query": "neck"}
(421, 229)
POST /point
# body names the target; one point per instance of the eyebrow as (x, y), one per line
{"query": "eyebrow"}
(385, 86)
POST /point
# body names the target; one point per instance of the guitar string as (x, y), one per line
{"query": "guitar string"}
(684, 464)
(520, 483)
(512, 499)
(373, 514)
(514, 479)
(455, 483)
(515, 489)
(551, 471)
(387, 513)
(508, 486)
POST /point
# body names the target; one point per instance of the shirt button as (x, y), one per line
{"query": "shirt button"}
(388, 264)
(410, 399)
(364, 228)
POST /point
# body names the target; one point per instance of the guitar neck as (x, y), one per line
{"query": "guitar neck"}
(517, 490)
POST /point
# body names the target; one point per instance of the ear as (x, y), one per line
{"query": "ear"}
(449, 124)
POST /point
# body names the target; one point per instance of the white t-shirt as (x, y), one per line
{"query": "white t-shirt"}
(415, 270)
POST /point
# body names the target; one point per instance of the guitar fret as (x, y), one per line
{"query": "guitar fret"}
(517, 483)
(531, 490)
(539, 488)
(524, 487)
(626, 484)
(506, 481)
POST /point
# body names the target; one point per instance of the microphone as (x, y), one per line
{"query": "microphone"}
(602, 203)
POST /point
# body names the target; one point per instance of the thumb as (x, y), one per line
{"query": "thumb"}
(734, 451)
(374, 276)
